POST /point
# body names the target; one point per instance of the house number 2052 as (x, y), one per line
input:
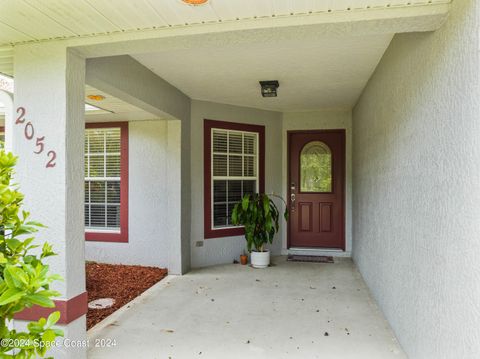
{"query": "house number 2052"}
(29, 133)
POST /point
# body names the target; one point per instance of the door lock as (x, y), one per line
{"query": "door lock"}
(292, 196)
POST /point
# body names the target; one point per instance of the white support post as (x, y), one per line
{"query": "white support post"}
(48, 138)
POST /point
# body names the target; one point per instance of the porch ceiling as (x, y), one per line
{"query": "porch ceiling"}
(115, 109)
(40, 20)
(314, 73)
(110, 109)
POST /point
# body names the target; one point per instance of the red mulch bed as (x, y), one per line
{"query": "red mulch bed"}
(120, 282)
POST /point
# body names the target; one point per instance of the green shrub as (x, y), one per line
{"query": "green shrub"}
(24, 278)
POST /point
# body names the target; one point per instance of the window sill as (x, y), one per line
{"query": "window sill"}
(106, 237)
(224, 232)
(102, 231)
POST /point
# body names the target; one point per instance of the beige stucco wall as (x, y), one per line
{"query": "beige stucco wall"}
(322, 120)
(416, 187)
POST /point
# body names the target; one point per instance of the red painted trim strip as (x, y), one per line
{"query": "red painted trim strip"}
(207, 174)
(121, 237)
(70, 310)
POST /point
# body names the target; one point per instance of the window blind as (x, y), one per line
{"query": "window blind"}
(234, 171)
(102, 179)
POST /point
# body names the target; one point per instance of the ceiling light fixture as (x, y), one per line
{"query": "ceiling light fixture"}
(96, 97)
(269, 88)
(195, 2)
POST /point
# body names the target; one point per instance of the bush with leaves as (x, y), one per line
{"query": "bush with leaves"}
(24, 277)
(259, 215)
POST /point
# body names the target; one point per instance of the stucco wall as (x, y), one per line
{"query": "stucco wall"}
(53, 195)
(416, 157)
(128, 80)
(224, 250)
(148, 199)
(322, 120)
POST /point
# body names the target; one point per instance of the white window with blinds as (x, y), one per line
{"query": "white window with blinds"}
(234, 172)
(102, 179)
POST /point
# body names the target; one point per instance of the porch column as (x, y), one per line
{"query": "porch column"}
(49, 92)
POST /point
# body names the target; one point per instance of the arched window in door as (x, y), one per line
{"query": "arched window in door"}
(316, 167)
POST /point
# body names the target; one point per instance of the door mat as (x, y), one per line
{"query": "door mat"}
(311, 259)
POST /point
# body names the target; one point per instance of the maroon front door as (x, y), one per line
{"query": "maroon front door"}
(316, 189)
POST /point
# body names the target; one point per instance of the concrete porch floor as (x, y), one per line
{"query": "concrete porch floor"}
(234, 311)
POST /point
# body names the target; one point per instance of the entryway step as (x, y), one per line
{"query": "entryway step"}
(318, 252)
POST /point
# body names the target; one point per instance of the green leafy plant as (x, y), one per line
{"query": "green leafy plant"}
(24, 278)
(259, 215)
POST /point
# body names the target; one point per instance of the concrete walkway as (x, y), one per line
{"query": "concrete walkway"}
(290, 310)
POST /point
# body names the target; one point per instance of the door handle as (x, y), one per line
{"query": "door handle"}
(292, 196)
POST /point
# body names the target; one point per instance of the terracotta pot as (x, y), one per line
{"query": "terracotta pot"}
(244, 259)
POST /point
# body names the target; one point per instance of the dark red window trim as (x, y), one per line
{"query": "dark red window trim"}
(209, 232)
(123, 235)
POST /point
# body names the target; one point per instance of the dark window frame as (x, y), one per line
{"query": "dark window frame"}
(208, 125)
(121, 237)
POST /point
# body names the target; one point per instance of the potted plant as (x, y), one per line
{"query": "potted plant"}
(244, 258)
(259, 215)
